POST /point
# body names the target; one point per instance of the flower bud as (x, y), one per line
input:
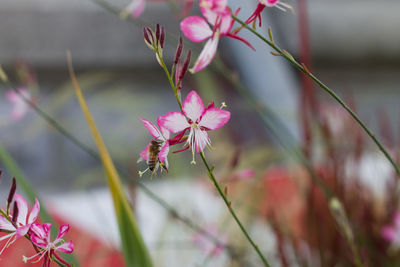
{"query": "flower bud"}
(11, 193)
(162, 37)
(178, 51)
(185, 65)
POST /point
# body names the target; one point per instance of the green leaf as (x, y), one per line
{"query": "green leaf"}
(133, 247)
(30, 194)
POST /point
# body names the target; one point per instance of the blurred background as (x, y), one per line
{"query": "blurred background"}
(352, 46)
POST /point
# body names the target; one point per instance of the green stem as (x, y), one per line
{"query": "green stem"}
(228, 205)
(208, 168)
(299, 66)
(170, 79)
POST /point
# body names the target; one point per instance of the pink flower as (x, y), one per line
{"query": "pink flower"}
(40, 236)
(22, 223)
(161, 140)
(19, 106)
(269, 3)
(197, 119)
(198, 30)
(392, 232)
(207, 245)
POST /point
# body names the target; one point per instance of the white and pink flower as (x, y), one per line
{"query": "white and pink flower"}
(197, 119)
(22, 223)
(40, 236)
(19, 105)
(197, 29)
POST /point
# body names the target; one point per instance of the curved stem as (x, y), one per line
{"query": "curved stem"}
(169, 76)
(228, 205)
(170, 79)
(302, 68)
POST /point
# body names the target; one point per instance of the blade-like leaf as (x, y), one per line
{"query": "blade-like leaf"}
(134, 249)
(30, 194)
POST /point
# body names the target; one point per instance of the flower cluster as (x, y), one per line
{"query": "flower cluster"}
(197, 29)
(24, 223)
(218, 23)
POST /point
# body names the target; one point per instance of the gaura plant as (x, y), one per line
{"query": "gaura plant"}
(191, 125)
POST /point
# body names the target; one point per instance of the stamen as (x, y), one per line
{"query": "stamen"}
(9, 242)
(143, 172)
(26, 259)
(223, 105)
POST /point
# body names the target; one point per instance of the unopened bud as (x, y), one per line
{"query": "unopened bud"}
(158, 32)
(11, 193)
(146, 35)
(178, 51)
(15, 213)
(185, 65)
(162, 37)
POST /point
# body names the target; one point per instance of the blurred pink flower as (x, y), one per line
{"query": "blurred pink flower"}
(208, 246)
(40, 236)
(135, 8)
(19, 106)
(198, 30)
(392, 232)
(197, 119)
(243, 174)
(23, 222)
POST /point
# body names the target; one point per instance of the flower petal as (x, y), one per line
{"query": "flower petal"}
(214, 118)
(23, 230)
(200, 140)
(37, 229)
(145, 152)
(135, 8)
(162, 156)
(151, 128)
(67, 247)
(193, 106)
(207, 54)
(226, 23)
(196, 29)
(22, 208)
(34, 212)
(38, 241)
(139, 8)
(63, 230)
(173, 121)
(165, 133)
(6, 225)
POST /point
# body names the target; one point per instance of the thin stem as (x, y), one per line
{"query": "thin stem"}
(228, 205)
(299, 66)
(208, 168)
(170, 79)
